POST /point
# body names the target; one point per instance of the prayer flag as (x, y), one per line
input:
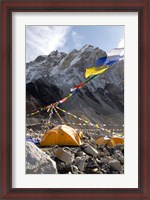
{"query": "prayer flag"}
(94, 71)
(108, 60)
(113, 59)
(101, 61)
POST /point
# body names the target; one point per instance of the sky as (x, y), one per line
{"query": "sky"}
(41, 40)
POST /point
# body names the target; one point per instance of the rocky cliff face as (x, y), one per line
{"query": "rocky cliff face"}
(49, 78)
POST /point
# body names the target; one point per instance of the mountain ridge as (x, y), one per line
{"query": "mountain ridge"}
(100, 100)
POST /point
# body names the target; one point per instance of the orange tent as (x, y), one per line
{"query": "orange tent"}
(115, 141)
(102, 140)
(61, 135)
(111, 142)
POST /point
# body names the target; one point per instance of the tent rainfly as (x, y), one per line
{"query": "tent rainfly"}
(61, 135)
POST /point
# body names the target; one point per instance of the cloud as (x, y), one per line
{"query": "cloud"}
(121, 43)
(77, 39)
(41, 40)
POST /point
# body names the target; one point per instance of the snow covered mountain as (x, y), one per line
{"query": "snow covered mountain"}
(49, 78)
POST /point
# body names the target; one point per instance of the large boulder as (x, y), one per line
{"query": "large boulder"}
(38, 162)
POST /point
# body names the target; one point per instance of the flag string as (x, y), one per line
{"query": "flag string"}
(83, 124)
(73, 91)
(92, 73)
(102, 64)
(86, 122)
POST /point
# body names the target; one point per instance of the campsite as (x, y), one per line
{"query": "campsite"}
(74, 108)
(71, 154)
(73, 144)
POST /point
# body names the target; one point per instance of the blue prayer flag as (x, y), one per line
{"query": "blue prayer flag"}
(101, 61)
(110, 60)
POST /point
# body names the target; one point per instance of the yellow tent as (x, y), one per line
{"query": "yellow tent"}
(115, 141)
(102, 140)
(61, 135)
(111, 142)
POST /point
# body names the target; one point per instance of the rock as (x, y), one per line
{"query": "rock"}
(108, 158)
(92, 167)
(91, 151)
(110, 150)
(103, 160)
(62, 167)
(115, 172)
(106, 168)
(74, 169)
(64, 155)
(122, 169)
(92, 163)
(119, 156)
(121, 159)
(80, 163)
(103, 171)
(38, 162)
(80, 153)
(115, 164)
(116, 151)
(120, 147)
(101, 154)
(92, 170)
(98, 161)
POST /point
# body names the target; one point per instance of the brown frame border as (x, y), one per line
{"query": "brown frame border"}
(9, 6)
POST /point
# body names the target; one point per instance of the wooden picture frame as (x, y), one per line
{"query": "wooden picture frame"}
(9, 6)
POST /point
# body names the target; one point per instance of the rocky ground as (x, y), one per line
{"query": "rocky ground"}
(88, 158)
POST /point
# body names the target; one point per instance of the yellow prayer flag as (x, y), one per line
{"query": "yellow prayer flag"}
(94, 71)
